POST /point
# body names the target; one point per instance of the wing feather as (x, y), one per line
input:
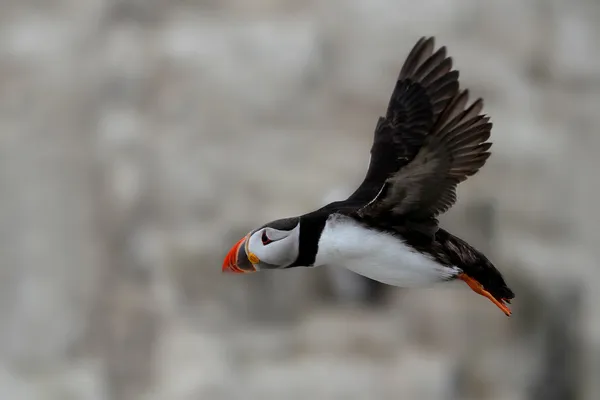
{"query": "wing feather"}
(455, 149)
(429, 141)
(425, 86)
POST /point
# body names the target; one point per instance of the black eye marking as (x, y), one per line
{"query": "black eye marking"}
(265, 238)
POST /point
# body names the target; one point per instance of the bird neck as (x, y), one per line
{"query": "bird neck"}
(311, 229)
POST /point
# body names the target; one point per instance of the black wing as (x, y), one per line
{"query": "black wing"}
(424, 88)
(455, 149)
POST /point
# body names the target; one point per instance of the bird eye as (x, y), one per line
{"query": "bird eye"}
(265, 238)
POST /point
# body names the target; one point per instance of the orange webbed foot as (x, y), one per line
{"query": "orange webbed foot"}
(478, 288)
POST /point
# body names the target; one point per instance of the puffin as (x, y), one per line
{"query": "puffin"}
(430, 140)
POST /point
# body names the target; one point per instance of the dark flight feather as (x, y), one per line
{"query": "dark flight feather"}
(453, 150)
(424, 88)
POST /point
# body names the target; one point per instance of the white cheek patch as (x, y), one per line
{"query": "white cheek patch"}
(274, 234)
(281, 252)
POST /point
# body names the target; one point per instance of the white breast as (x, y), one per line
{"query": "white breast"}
(377, 255)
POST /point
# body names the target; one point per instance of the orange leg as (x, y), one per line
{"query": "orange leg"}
(478, 288)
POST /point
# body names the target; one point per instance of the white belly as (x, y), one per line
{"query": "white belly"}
(377, 255)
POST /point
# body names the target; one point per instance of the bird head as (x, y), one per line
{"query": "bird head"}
(274, 245)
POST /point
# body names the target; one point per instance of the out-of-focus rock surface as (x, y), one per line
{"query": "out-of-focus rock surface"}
(139, 139)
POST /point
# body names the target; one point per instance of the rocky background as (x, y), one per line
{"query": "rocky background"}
(140, 138)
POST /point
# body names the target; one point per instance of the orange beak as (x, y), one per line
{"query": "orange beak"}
(236, 261)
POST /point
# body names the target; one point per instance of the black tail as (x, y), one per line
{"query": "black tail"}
(490, 278)
(474, 264)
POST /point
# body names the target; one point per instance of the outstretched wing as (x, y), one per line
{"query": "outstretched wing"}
(455, 149)
(424, 88)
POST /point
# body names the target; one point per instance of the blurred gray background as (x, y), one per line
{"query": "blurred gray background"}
(139, 139)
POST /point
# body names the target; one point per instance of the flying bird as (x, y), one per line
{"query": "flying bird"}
(429, 141)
